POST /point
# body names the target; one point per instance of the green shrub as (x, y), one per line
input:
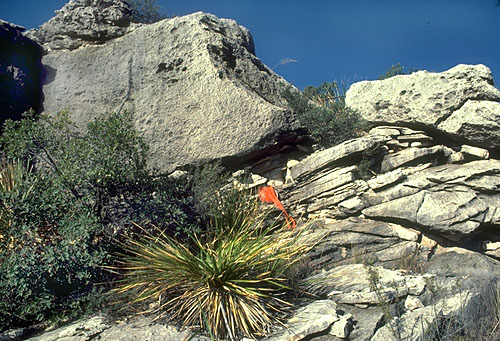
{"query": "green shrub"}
(104, 162)
(146, 11)
(60, 215)
(162, 202)
(204, 182)
(323, 112)
(49, 250)
(231, 281)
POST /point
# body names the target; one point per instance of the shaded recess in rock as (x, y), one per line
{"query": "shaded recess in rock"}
(20, 73)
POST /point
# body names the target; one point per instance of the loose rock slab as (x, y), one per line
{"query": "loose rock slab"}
(314, 318)
(477, 122)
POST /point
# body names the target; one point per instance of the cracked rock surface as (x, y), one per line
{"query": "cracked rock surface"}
(197, 91)
(446, 101)
(82, 22)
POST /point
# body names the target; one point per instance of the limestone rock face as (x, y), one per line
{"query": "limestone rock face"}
(356, 240)
(476, 121)
(82, 22)
(195, 87)
(427, 99)
(20, 72)
(452, 192)
(449, 200)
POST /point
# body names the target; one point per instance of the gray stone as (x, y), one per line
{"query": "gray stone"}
(395, 144)
(247, 180)
(459, 262)
(386, 179)
(144, 329)
(352, 284)
(14, 334)
(385, 130)
(457, 157)
(329, 201)
(82, 22)
(477, 122)
(82, 330)
(357, 240)
(415, 137)
(196, 89)
(342, 328)
(313, 318)
(478, 153)
(366, 321)
(328, 157)
(326, 182)
(430, 99)
(413, 155)
(132, 329)
(459, 285)
(491, 249)
(20, 73)
(412, 303)
(447, 199)
(414, 324)
(422, 97)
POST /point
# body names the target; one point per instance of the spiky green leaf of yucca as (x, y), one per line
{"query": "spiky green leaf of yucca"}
(11, 175)
(231, 280)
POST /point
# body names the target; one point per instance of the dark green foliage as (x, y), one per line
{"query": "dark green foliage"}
(162, 203)
(61, 215)
(104, 162)
(322, 111)
(369, 165)
(49, 252)
(395, 70)
(146, 11)
(204, 182)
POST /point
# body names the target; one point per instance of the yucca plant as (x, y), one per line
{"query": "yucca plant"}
(11, 175)
(231, 280)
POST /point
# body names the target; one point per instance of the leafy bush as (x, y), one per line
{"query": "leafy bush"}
(230, 281)
(49, 250)
(104, 162)
(323, 112)
(146, 11)
(204, 182)
(60, 214)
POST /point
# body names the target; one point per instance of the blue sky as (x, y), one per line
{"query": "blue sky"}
(348, 40)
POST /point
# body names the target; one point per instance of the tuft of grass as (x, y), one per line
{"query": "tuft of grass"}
(230, 281)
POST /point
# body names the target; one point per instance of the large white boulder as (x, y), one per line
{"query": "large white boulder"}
(194, 84)
(439, 102)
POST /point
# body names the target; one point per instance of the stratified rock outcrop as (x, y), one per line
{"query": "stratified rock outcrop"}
(453, 192)
(82, 22)
(461, 101)
(20, 73)
(196, 89)
(400, 198)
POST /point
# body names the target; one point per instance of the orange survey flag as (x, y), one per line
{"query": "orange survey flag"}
(268, 194)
